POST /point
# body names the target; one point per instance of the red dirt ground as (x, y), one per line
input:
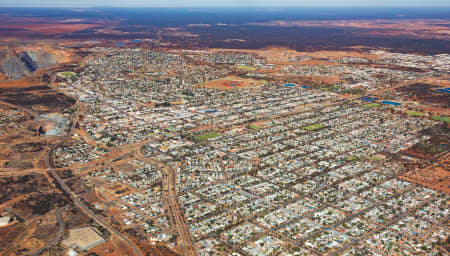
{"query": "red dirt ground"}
(430, 29)
(433, 177)
(48, 28)
(16, 83)
(231, 83)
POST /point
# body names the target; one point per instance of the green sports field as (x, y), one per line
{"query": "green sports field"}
(415, 113)
(313, 127)
(67, 74)
(207, 136)
(371, 105)
(442, 118)
(254, 127)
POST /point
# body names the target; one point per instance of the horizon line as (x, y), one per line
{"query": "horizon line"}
(209, 6)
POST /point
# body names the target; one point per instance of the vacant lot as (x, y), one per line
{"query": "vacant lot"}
(48, 99)
(426, 93)
(232, 82)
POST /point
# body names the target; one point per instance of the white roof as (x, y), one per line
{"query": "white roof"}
(4, 221)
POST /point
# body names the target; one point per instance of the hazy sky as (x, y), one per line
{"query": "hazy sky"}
(184, 3)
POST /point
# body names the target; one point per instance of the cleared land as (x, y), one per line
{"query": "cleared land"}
(16, 83)
(84, 238)
(432, 177)
(232, 82)
(429, 28)
(44, 26)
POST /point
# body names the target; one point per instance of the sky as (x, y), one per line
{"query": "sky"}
(187, 3)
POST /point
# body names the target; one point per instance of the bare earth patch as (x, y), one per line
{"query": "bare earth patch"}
(231, 83)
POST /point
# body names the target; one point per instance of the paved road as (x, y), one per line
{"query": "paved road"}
(177, 216)
(91, 214)
(58, 236)
(75, 198)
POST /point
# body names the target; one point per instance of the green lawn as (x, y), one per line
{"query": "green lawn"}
(332, 88)
(67, 74)
(415, 113)
(313, 127)
(371, 105)
(442, 118)
(254, 127)
(351, 158)
(354, 91)
(376, 158)
(207, 136)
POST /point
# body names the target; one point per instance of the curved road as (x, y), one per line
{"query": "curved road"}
(57, 238)
(170, 192)
(91, 214)
(75, 198)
